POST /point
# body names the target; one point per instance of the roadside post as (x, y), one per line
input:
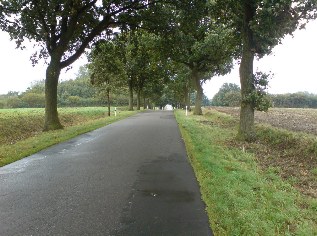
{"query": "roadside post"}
(115, 111)
(186, 110)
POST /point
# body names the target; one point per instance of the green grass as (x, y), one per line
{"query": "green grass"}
(23, 129)
(301, 144)
(241, 199)
(19, 124)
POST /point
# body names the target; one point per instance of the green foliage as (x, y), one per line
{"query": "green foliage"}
(78, 92)
(258, 26)
(205, 100)
(196, 40)
(106, 67)
(80, 86)
(193, 38)
(179, 87)
(269, 21)
(228, 95)
(294, 100)
(131, 58)
(33, 99)
(15, 102)
(241, 199)
(62, 30)
(259, 97)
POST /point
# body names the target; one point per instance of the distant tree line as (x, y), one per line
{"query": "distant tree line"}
(229, 95)
(80, 92)
(71, 93)
(294, 100)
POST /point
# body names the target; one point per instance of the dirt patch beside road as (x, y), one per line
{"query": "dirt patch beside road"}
(294, 119)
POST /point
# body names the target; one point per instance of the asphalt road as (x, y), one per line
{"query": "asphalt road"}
(129, 178)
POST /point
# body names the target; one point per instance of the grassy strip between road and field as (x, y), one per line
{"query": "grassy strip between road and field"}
(241, 197)
(78, 121)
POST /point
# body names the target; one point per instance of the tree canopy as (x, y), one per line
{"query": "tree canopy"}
(228, 95)
(62, 30)
(259, 27)
(155, 41)
(192, 37)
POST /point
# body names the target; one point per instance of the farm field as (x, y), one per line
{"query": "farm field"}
(21, 129)
(294, 119)
(22, 123)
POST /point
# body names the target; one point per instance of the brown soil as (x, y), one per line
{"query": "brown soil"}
(290, 162)
(294, 119)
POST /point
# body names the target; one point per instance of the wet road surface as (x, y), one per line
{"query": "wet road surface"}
(129, 178)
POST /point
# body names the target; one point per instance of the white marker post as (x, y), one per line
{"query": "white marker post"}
(186, 110)
(115, 111)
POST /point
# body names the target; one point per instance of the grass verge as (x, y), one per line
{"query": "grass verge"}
(81, 120)
(241, 197)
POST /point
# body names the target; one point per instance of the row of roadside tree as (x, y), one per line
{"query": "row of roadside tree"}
(187, 42)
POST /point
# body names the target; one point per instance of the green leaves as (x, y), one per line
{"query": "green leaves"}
(106, 66)
(270, 20)
(259, 97)
(228, 95)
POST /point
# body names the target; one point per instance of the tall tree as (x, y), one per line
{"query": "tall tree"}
(63, 30)
(180, 86)
(260, 25)
(195, 39)
(228, 95)
(135, 58)
(142, 61)
(107, 70)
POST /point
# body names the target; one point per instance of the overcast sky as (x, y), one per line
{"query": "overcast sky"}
(293, 63)
(17, 72)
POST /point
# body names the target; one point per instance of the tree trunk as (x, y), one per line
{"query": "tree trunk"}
(186, 97)
(199, 94)
(51, 115)
(144, 102)
(138, 101)
(108, 98)
(246, 127)
(130, 95)
(148, 103)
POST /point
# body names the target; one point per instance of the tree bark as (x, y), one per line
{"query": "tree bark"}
(144, 102)
(199, 94)
(130, 95)
(148, 103)
(246, 128)
(108, 98)
(52, 121)
(138, 101)
(186, 97)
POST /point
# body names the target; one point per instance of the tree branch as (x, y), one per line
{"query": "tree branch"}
(95, 32)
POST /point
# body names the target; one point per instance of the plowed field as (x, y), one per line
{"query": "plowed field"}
(294, 119)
